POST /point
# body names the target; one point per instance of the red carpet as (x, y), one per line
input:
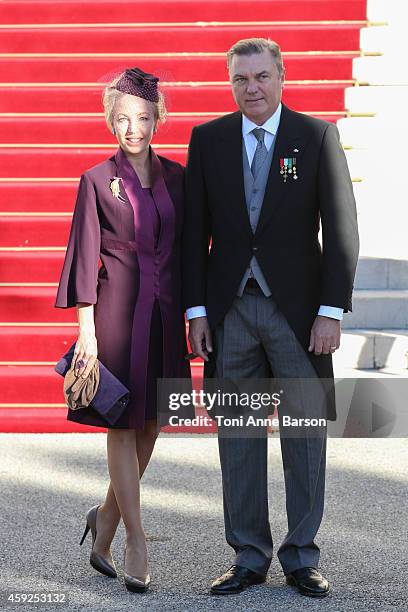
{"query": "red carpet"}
(53, 58)
(100, 11)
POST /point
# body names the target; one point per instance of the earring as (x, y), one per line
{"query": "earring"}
(113, 131)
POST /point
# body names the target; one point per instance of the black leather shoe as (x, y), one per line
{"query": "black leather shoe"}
(309, 582)
(235, 580)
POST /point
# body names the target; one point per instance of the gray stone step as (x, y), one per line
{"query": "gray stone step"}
(381, 273)
(372, 348)
(378, 309)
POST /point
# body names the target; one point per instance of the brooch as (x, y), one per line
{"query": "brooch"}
(115, 188)
(288, 167)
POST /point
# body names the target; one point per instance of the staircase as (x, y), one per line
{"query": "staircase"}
(54, 59)
(375, 132)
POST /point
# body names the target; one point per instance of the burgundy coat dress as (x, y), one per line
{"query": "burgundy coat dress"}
(139, 321)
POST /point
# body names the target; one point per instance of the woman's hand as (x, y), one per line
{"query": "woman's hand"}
(86, 349)
(85, 354)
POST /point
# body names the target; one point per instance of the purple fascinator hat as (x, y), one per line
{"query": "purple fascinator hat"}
(136, 82)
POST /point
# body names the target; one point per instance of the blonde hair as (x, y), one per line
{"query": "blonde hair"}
(111, 95)
(248, 46)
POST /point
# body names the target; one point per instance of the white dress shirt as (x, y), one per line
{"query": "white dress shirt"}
(271, 127)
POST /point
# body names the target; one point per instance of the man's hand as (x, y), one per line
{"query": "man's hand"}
(325, 335)
(199, 336)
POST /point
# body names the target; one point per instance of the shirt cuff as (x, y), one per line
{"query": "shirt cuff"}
(331, 311)
(196, 311)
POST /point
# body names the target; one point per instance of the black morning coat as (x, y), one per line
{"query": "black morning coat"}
(301, 275)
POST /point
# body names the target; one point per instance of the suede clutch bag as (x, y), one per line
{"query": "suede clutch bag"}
(109, 395)
(79, 392)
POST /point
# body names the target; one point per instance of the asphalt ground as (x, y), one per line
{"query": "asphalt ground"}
(49, 481)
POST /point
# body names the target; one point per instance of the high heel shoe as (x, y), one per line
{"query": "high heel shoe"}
(136, 585)
(97, 561)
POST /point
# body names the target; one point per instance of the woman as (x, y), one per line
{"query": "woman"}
(128, 213)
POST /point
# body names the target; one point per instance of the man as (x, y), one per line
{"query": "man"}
(259, 181)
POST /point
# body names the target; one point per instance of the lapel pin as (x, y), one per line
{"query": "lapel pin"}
(115, 188)
(296, 150)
